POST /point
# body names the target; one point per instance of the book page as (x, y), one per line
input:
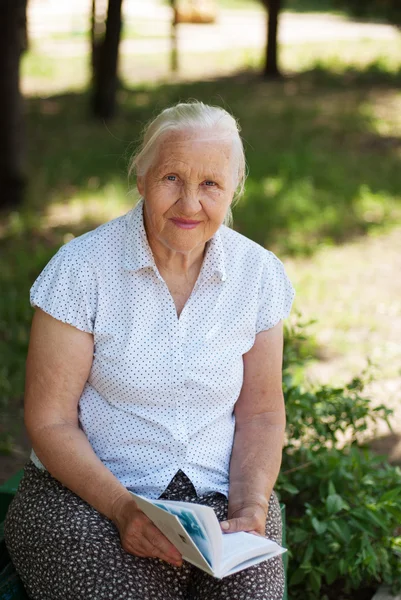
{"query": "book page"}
(192, 525)
(241, 547)
(249, 563)
(171, 526)
(211, 527)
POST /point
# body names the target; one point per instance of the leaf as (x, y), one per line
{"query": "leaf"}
(377, 519)
(391, 495)
(315, 580)
(288, 487)
(319, 526)
(298, 576)
(340, 529)
(334, 503)
(342, 565)
(299, 536)
(308, 554)
(332, 489)
(395, 511)
(331, 573)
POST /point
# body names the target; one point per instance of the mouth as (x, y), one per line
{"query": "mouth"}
(185, 223)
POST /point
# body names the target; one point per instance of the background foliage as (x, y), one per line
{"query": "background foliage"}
(343, 502)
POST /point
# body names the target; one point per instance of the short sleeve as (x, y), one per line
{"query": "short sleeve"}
(276, 294)
(66, 289)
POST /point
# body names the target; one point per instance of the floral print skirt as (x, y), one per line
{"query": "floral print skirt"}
(63, 549)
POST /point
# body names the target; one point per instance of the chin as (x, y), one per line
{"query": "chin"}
(184, 248)
(179, 244)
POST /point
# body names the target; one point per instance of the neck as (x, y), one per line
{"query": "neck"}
(180, 264)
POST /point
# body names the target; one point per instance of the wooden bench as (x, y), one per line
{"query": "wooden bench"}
(11, 587)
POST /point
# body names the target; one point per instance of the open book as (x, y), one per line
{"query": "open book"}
(195, 532)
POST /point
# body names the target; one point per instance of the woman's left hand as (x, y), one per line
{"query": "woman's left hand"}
(250, 518)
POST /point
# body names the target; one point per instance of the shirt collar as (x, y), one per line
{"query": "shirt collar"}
(138, 254)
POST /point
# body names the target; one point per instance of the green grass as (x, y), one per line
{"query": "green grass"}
(240, 4)
(299, 6)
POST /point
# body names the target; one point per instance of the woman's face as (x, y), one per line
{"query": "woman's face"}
(188, 190)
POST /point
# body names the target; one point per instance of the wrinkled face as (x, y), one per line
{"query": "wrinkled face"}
(188, 190)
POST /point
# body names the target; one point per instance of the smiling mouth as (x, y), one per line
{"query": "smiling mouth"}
(185, 223)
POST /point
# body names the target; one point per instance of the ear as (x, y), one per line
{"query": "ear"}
(140, 184)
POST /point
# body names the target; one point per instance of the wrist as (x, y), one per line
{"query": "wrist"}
(238, 501)
(120, 505)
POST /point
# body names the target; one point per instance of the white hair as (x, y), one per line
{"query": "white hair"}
(191, 116)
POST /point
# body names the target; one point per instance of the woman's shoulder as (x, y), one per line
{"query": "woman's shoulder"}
(240, 249)
(99, 244)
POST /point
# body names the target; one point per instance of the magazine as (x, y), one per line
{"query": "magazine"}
(195, 532)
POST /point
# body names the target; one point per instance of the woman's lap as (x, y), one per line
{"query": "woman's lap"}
(64, 549)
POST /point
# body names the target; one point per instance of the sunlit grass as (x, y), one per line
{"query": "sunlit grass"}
(355, 292)
(90, 207)
(240, 4)
(338, 57)
(45, 74)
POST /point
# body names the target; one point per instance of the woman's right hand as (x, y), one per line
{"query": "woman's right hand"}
(139, 536)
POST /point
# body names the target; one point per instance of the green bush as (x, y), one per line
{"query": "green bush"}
(343, 502)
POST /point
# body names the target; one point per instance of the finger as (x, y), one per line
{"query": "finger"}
(159, 545)
(238, 524)
(145, 549)
(148, 539)
(149, 554)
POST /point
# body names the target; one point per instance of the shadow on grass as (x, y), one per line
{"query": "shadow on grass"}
(320, 168)
(366, 12)
(308, 6)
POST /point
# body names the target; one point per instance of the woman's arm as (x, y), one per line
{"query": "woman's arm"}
(58, 365)
(259, 434)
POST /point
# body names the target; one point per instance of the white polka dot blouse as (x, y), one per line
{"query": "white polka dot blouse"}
(162, 389)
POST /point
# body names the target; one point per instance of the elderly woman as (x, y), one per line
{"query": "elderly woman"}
(154, 366)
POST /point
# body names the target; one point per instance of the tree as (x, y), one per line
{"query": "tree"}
(12, 173)
(105, 37)
(173, 38)
(188, 11)
(271, 69)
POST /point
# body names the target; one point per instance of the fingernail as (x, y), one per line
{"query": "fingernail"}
(225, 525)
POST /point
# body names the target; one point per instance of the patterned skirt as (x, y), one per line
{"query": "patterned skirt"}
(63, 549)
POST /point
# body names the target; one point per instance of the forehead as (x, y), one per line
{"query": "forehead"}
(202, 150)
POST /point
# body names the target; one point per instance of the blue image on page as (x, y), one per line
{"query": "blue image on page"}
(193, 528)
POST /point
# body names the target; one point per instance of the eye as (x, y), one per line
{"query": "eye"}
(210, 183)
(171, 178)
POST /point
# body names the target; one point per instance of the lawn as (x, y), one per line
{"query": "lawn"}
(324, 155)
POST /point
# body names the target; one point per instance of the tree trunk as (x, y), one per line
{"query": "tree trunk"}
(24, 39)
(12, 175)
(173, 38)
(271, 69)
(93, 37)
(105, 62)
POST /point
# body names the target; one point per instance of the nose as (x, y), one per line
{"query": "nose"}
(190, 199)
